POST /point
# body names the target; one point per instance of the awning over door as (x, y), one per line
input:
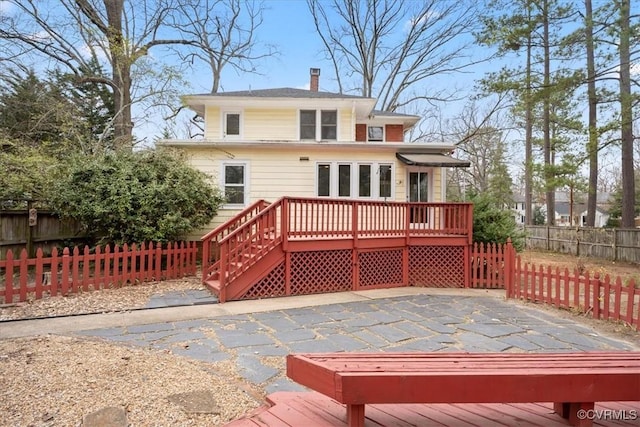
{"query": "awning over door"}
(437, 160)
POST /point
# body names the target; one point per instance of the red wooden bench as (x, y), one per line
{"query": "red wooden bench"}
(573, 381)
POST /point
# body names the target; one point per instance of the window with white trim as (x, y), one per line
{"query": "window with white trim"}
(370, 180)
(231, 124)
(234, 183)
(364, 180)
(324, 179)
(344, 180)
(375, 133)
(319, 125)
(384, 181)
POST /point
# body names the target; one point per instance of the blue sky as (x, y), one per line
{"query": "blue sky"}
(289, 26)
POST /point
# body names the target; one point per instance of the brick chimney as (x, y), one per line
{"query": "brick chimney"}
(315, 79)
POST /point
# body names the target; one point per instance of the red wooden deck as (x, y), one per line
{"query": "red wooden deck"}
(298, 246)
(313, 409)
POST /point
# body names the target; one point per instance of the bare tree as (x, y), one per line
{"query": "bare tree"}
(73, 32)
(483, 144)
(391, 49)
(224, 34)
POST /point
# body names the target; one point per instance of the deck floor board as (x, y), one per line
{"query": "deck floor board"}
(313, 409)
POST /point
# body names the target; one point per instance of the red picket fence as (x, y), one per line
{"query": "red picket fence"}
(602, 297)
(498, 266)
(72, 271)
(490, 264)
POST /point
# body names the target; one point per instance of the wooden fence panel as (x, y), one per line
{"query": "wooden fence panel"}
(75, 271)
(48, 232)
(607, 243)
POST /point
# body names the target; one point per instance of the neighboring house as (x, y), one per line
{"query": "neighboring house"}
(265, 144)
(519, 209)
(602, 217)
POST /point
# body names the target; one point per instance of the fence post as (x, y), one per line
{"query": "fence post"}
(65, 272)
(548, 238)
(508, 268)
(615, 244)
(8, 285)
(595, 285)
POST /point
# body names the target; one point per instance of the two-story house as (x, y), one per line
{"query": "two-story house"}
(311, 179)
(264, 144)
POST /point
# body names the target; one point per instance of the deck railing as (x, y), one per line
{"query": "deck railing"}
(290, 219)
(211, 240)
(330, 218)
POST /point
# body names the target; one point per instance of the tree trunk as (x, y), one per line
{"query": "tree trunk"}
(592, 144)
(626, 116)
(546, 120)
(121, 70)
(528, 149)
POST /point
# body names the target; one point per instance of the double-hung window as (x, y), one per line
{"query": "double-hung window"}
(234, 182)
(308, 124)
(318, 125)
(329, 125)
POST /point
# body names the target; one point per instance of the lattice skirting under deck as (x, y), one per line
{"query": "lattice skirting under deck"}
(380, 268)
(436, 266)
(332, 271)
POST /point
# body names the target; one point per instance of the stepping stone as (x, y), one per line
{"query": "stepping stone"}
(196, 402)
(112, 416)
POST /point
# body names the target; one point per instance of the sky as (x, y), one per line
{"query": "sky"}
(289, 26)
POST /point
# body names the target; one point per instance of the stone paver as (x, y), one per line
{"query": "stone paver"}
(405, 323)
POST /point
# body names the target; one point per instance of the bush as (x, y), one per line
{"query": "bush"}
(494, 225)
(127, 197)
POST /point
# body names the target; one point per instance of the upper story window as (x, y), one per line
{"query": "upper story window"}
(375, 133)
(307, 124)
(329, 130)
(319, 125)
(231, 124)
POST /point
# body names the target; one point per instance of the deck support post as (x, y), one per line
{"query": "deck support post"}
(355, 415)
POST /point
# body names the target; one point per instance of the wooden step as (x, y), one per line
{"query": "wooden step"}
(213, 285)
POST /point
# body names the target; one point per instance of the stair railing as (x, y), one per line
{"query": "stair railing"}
(248, 243)
(211, 240)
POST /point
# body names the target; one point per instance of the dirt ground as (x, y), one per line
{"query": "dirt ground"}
(592, 265)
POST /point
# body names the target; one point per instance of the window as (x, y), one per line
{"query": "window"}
(307, 124)
(329, 127)
(344, 180)
(324, 180)
(235, 183)
(384, 189)
(231, 124)
(364, 180)
(375, 133)
(323, 123)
